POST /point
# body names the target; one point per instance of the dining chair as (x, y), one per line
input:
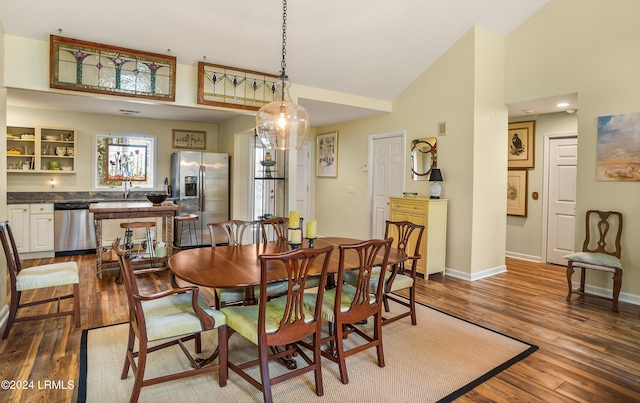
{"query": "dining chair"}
(283, 321)
(37, 278)
(232, 232)
(407, 238)
(174, 316)
(346, 305)
(279, 227)
(601, 251)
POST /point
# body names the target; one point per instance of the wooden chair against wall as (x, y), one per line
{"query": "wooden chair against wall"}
(36, 278)
(600, 251)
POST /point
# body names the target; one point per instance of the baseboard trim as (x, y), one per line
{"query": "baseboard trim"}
(607, 292)
(522, 256)
(476, 276)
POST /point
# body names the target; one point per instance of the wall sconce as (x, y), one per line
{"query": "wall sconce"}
(52, 182)
(435, 177)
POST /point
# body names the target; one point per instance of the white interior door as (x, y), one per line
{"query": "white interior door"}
(387, 176)
(562, 174)
(303, 180)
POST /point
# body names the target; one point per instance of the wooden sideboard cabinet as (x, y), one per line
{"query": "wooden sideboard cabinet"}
(432, 213)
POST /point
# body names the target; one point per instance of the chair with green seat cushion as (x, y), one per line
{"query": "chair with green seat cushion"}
(283, 321)
(601, 251)
(176, 315)
(347, 305)
(407, 238)
(36, 278)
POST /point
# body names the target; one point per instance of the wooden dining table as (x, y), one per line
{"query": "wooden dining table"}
(238, 265)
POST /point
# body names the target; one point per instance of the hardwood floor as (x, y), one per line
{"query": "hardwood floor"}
(586, 352)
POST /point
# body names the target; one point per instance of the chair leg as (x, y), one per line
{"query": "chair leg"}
(317, 360)
(130, 345)
(223, 355)
(76, 303)
(13, 311)
(377, 335)
(139, 375)
(412, 302)
(570, 272)
(340, 354)
(264, 374)
(617, 285)
(198, 343)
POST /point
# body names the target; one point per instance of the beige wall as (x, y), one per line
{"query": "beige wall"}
(3, 168)
(589, 47)
(464, 87)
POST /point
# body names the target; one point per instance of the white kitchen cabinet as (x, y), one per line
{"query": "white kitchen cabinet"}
(33, 229)
(432, 213)
(18, 217)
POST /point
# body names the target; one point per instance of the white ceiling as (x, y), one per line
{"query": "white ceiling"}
(369, 48)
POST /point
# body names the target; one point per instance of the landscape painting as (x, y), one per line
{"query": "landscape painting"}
(619, 148)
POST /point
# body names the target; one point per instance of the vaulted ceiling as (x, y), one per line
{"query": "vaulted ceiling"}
(368, 48)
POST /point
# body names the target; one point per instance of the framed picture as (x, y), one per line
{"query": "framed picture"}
(521, 144)
(189, 139)
(618, 148)
(517, 180)
(328, 155)
(126, 161)
(94, 67)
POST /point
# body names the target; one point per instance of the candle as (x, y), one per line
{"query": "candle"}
(295, 236)
(312, 228)
(294, 219)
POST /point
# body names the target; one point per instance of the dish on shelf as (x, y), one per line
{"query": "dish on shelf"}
(13, 151)
(27, 136)
(66, 168)
(51, 138)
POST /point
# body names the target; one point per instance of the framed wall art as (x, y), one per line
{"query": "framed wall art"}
(618, 148)
(126, 162)
(232, 87)
(327, 155)
(521, 144)
(189, 139)
(517, 180)
(93, 67)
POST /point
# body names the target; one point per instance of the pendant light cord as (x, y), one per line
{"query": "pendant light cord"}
(284, 38)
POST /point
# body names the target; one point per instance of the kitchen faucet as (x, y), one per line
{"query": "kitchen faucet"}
(127, 187)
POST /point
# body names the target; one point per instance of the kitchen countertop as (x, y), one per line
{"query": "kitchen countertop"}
(66, 197)
(130, 206)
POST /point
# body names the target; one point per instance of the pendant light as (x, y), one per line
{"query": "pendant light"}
(282, 124)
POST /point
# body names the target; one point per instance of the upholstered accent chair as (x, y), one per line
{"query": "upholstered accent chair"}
(277, 325)
(35, 278)
(175, 316)
(600, 251)
(347, 305)
(407, 238)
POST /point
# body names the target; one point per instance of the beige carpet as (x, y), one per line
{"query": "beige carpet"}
(437, 360)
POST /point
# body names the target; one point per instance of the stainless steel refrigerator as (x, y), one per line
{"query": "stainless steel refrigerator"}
(199, 185)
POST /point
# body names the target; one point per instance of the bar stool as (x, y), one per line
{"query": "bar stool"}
(128, 227)
(190, 219)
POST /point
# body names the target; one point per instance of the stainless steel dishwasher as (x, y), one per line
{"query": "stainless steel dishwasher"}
(75, 232)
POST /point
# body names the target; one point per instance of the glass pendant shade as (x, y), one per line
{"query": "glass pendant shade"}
(282, 124)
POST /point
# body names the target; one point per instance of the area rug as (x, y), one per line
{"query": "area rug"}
(439, 359)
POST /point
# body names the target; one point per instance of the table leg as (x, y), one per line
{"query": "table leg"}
(98, 225)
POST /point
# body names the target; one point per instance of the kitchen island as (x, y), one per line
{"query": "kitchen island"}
(131, 210)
